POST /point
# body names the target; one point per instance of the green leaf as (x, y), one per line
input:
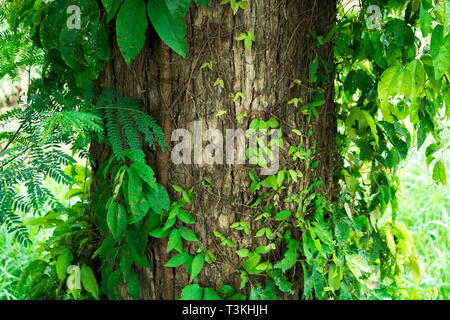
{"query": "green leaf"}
(272, 123)
(289, 260)
(117, 220)
(446, 17)
(403, 83)
(192, 292)
(384, 88)
(260, 232)
(134, 190)
(197, 265)
(313, 69)
(357, 122)
(417, 71)
(265, 249)
(351, 82)
(393, 82)
(145, 172)
(437, 39)
(415, 267)
(390, 241)
(175, 240)
(169, 223)
(334, 276)
(446, 94)
(242, 253)
(177, 260)
(226, 291)
(248, 38)
(141, 210)
(241, 116)
(88, 281)
(136, 241)
(425, 19)
(251, 262)
(159, 232)
(104, 249)
(264, 266)
(186, 217)
(283, 215)
(219, 82)
(70, 49)
(210, 294)
(113, 280)
(441, 57)
(52, 23)
(159, 199)
(95, 47)
(62, 263)
(133, 286)
(188, 235)
(356, 264)
(429, 69)
(111, 8)
(170, 24)
(131, 25)
(399, 33)
(439, 174)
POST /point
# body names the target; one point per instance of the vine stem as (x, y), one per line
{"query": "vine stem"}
(13, 137)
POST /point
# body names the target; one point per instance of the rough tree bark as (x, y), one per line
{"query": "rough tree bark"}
(177, 92)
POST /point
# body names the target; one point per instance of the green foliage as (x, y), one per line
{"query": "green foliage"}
(128, 194)
(248, 38)
(167, 18)
(16, 52)
(124, 117)
(33, 152)
(64, 252)
(235, 5)
(83, 50)
(121, 211)
(170, 227)
(52, 117)
(387, 82)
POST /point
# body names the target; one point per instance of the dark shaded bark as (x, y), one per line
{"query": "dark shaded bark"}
(177, 92)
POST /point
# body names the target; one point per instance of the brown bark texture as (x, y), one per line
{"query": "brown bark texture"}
(177, 92)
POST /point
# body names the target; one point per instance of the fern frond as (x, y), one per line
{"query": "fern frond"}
(133, 122)
(114, 135)
(14, 225)
(11, 114)
(130, 132)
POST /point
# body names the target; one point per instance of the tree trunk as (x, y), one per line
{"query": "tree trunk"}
(178, 92)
